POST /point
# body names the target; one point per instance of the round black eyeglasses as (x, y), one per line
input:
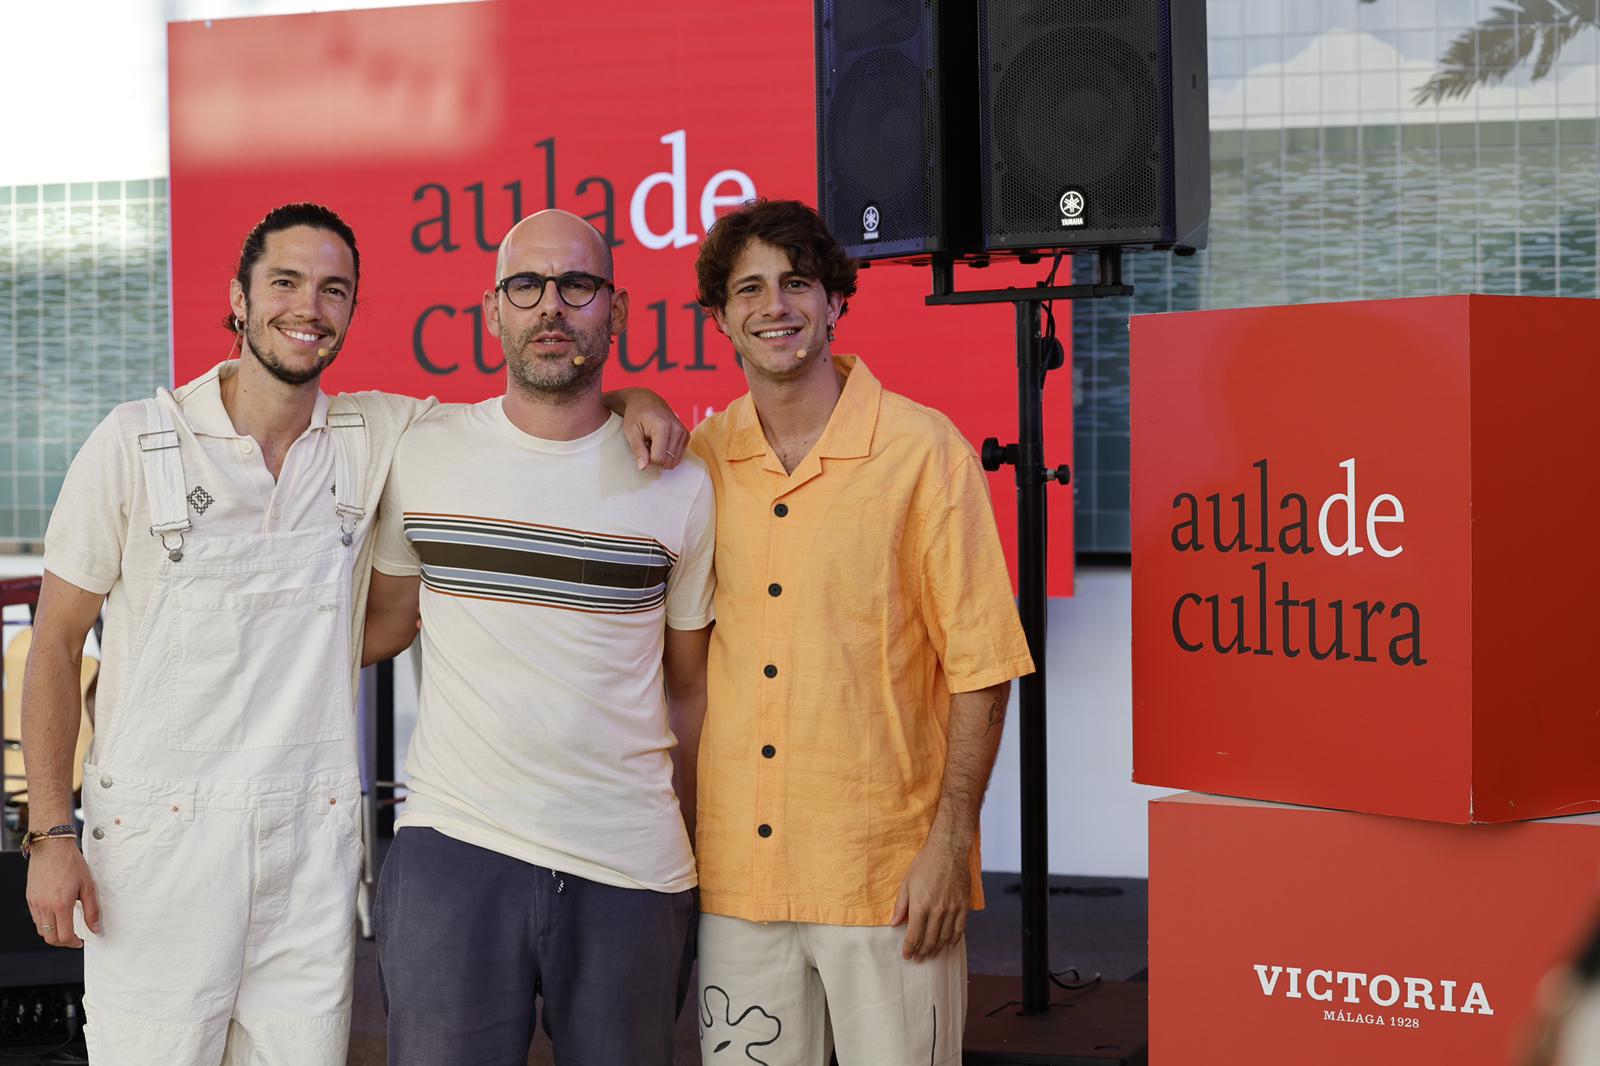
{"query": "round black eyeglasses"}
(576, 288)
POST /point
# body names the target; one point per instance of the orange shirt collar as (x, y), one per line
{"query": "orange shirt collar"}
(850, 427)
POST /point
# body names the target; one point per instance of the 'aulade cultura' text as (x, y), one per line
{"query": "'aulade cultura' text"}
(1268, 617)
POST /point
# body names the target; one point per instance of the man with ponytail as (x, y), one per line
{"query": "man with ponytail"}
(226, 529)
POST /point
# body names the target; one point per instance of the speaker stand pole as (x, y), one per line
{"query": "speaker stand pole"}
(1012, 1022)
(383, 758)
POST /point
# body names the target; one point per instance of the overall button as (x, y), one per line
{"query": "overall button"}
(774, 589)
(98, 834)
(105, 780)
(764, 829)
(781, 510)
(768, 751)
(770, 670)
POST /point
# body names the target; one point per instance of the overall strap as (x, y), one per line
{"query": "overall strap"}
(163, 474)
(349, 427)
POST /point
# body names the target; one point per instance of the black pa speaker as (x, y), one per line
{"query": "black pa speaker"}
(897, 106)
(1094, 123)
(1001, 127)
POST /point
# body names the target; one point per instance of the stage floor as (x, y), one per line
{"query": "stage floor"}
(1097, 924)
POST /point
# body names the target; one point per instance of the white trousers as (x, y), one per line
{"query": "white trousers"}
(228, 915)
(788, 993)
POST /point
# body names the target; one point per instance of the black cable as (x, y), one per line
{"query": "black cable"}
(1075, 985)
(68, 1058)
(1050, 316)
(1055, 979)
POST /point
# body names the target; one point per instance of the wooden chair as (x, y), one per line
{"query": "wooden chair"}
(13, 770)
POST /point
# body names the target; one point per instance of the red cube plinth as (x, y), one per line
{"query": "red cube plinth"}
(1292, 934)
(1365, 558)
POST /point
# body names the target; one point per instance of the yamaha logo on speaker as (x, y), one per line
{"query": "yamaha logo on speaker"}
(869, 223)
(1072, 204)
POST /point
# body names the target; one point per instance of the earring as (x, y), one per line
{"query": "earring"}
(830, 332)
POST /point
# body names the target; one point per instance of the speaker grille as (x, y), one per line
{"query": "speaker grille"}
(860, 26)
(877, 142)
(1074, 122)
(878, 182)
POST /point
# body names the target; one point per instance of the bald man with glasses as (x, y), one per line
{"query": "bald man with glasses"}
(565, 616)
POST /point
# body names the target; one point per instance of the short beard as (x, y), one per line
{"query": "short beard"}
(269, 361)
(555, 381)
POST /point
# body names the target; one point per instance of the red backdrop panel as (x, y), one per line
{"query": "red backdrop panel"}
(1235, 885)
(1302, 389)
(432, 129)
(1439, 670)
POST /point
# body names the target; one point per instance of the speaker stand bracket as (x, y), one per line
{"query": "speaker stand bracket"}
(945, 293)
(1038, 1032)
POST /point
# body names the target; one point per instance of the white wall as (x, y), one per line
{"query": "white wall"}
(86, 82)
(1096, 814)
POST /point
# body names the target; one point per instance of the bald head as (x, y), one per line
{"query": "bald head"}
(555, 348)
(558, 232)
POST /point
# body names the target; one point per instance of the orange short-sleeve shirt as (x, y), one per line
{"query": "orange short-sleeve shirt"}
(853, 596)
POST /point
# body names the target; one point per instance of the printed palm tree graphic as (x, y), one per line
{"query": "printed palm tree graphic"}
(1514, 32)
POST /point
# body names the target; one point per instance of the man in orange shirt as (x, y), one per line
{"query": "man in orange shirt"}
(865, 643)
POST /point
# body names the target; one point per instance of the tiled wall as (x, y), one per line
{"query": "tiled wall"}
(1329, 182)
(83, 326)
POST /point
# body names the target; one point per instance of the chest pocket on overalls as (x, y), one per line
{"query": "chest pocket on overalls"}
(260, 669)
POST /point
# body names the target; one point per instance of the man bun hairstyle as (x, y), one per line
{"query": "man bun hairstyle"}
(788, 224)
(287, 217)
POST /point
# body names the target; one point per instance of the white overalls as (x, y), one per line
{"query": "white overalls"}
(221, 805)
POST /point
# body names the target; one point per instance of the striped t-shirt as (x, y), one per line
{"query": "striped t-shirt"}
(549, 569)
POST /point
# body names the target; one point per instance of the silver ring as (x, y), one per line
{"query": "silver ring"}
(46, 928)
(672, 455)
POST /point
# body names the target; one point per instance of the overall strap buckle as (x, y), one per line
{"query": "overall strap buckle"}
(351, 462)
(161, 452)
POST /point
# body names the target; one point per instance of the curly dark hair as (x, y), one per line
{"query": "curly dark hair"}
(788, 224)
(287, 217)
